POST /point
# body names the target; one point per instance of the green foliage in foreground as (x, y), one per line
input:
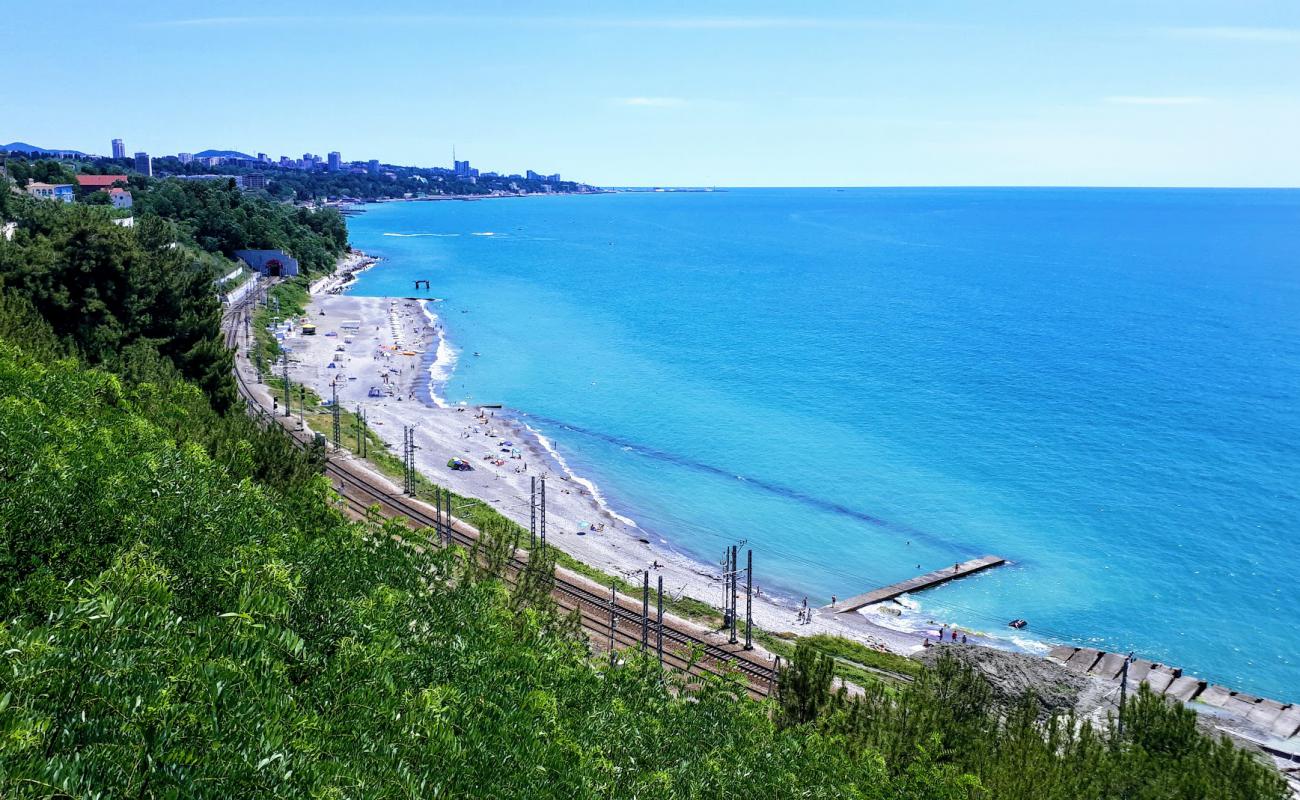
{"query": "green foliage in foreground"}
(949, 713)
(202, 636)
(193, 633)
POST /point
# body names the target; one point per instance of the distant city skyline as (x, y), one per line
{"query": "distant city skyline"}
(1162, 93)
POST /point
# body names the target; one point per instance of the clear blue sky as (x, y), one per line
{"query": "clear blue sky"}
(1158, 92)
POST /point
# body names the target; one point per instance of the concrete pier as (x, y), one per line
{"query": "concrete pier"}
(927, 581)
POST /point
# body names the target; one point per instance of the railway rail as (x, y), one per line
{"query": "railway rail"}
(683, 651)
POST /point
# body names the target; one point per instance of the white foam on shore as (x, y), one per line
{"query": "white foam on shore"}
(914, 620)
(413, 235)
(1038, 648)
(596, 495)
(445, 358)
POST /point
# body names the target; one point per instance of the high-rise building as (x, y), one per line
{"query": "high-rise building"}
(336, 161)
(462, 168)
(119, 149)
(185, 158)
(264, 158)
(553, 178)
(533, 176)
(373, 166)
(144, 164)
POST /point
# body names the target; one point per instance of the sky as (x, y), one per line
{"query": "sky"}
(1100, 93)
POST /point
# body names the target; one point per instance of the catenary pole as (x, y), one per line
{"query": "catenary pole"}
(613, 621)
(335, 419)
(288, 397)
(1123, 692)
(749, 600)
(732, 639)
(645, 611)
(357, 424)
(659, 622)
(447, 517)
(726, 589)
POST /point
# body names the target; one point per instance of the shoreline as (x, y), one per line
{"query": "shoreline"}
(506, 452)
(581, 520)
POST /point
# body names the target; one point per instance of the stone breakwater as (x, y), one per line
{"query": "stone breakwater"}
(1261, 719)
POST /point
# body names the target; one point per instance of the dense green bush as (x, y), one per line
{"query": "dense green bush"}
(175, 630)
(949, 713)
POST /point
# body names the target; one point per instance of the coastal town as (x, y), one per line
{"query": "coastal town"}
(666, 401)
(309, 180)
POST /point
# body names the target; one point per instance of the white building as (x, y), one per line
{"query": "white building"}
(120, 198)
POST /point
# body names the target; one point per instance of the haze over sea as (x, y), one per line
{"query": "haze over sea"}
(1098, 384)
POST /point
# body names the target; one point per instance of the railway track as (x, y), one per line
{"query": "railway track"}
(683, 650)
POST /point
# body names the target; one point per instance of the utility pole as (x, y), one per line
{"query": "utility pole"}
(406, 460)
(1123, 692)
(645, 611)
(749, 600)
(659, 623)
(357, 423)
(542, 529)
(437, 517)
(532, 511)
(726, 589)
(288, 398)
(302, 406)
(613, 622)
(732, 640)
(335, 419)
(447, 520)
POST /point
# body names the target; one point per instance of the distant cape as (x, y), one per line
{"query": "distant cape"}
(224, 154)
(24, 147)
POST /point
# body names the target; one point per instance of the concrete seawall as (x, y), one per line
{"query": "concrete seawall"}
(1270, 719)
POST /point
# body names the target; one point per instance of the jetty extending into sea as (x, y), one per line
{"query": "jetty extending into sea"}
(926, 581)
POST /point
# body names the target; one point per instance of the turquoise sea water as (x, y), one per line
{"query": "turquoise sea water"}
(1101, 385)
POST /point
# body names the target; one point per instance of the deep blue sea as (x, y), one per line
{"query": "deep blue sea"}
(1101, 385)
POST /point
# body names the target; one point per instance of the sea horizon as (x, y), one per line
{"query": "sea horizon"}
(924, 507)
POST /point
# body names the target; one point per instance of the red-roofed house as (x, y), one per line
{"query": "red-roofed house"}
(90, 182)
